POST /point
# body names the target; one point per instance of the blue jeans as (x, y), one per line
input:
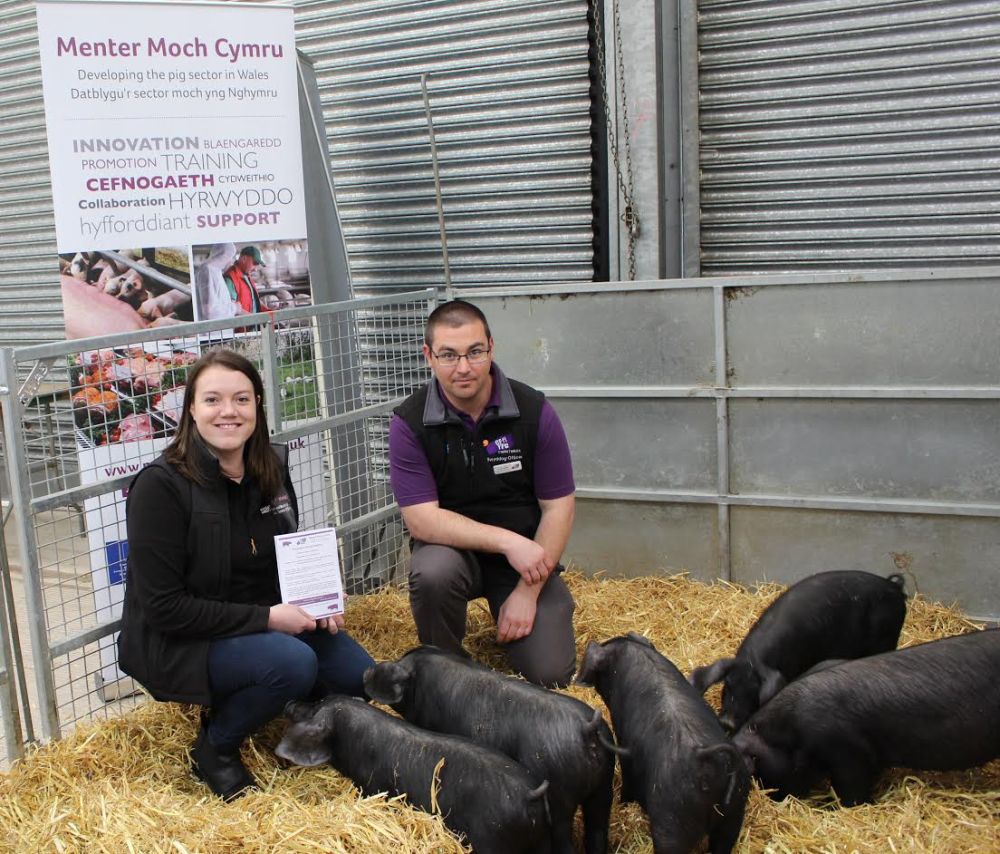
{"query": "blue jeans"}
(252, 677)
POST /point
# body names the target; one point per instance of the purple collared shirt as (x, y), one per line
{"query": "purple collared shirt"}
(413, 482)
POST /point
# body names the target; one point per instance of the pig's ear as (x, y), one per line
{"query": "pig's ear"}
(386, 682)
(771, 683)
(304, 744)
(297, 710)
(593, 661)
(307, 739)
(703, 678)
(722, 762)
(640, 639)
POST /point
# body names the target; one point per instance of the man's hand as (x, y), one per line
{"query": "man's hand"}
(528, 558)
(533, 559)
(517, 614)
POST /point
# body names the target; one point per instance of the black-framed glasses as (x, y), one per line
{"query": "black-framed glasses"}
(475, 356)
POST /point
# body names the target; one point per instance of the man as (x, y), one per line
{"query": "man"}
(481, 469)
(242, 290)
(210, 287)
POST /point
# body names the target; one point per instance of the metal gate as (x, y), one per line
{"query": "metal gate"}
(124, 393)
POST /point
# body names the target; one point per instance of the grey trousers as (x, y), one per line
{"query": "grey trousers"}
(442, 582)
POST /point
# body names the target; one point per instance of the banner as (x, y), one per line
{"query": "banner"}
(176, 163)
(173, 132)
(174, 121)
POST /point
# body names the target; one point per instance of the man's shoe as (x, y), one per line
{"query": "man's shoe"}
(223, 773)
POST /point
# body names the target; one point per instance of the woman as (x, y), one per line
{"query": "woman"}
(210, 289)
(203, 621)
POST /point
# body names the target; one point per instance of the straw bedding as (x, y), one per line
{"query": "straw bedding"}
(122, 785)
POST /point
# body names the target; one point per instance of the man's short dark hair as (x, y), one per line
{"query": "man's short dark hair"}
(455, 313)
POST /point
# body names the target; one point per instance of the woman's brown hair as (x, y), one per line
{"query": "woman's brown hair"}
(261, 463)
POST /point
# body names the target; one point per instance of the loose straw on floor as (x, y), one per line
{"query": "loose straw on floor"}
(123, 785)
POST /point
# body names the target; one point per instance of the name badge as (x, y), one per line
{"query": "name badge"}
(280, 504)
(503, 468)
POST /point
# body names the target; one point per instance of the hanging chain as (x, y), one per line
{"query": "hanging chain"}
(623, 171)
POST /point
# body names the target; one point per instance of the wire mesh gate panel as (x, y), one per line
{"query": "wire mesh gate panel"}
(100, 408)
(10, 721)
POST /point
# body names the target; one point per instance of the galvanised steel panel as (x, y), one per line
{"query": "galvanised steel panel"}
(509, 91)
(641, 444)
(933, 333)
(621, 338)
(638, 538)
(857, 452)
(840, 134)
(917, 449)
(946, 558)
(30, 302)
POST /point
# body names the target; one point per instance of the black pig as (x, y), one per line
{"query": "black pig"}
(556, 737)
(935, 706)
(678, 764)
(841, 614)
(481, 793)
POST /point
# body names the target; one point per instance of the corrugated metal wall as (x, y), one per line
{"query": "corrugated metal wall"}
(30, 307)
(508, 85)
(848, 134)
(835, 134)
(509, 90)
